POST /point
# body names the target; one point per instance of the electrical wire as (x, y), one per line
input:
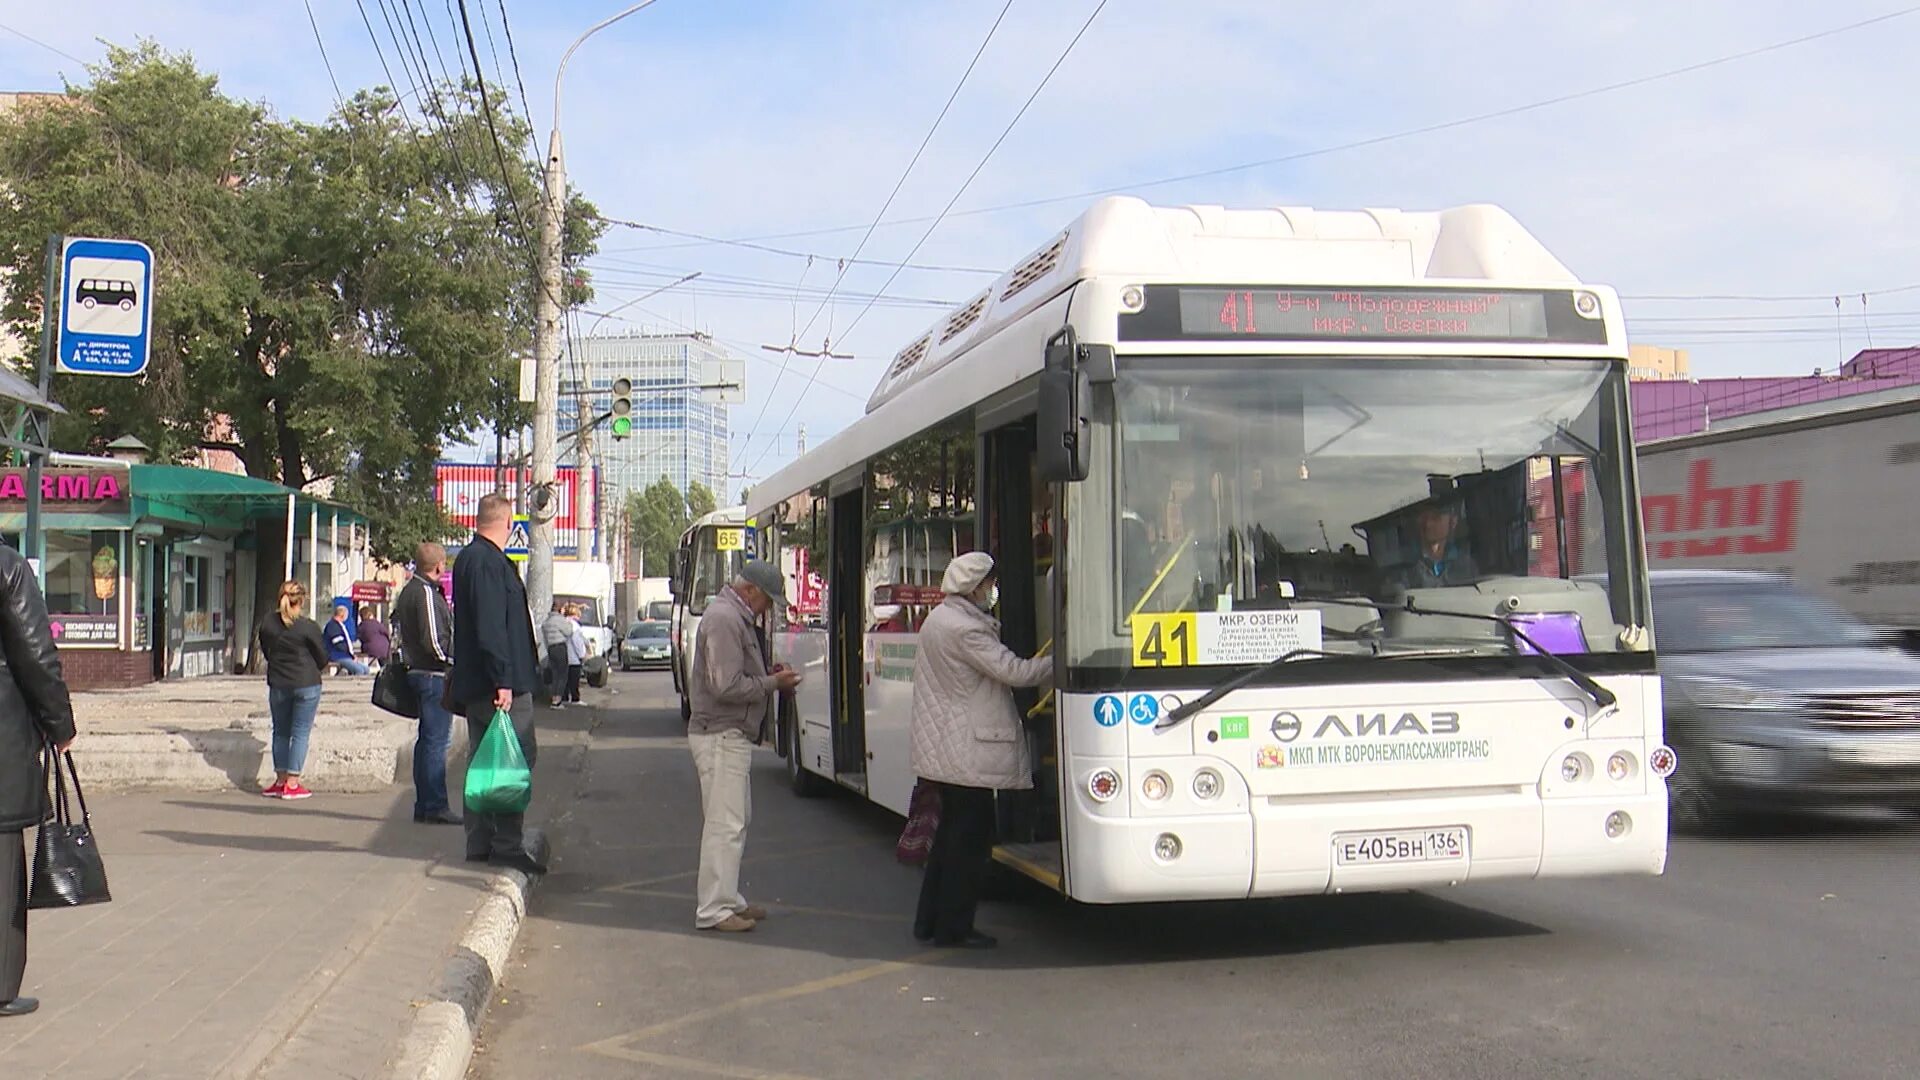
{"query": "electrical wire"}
(499, 151)
(382, 54)
(898, 184)
(526, 109)
(816, 255)
(1376, 140)
(50, 48)
(324, 59)
(984, 158)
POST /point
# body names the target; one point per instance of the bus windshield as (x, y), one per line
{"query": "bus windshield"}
(713, 569)
(1347, 484)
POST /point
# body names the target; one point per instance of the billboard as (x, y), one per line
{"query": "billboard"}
(458, 488)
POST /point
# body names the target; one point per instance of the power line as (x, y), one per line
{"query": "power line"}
(499, 151)
(821, 256)
(413, 58)
(311, 21)
(984, 158)
(382, 54)
(1794, 299)
(882, 213)
(526, 109)
(1377, 140)
(42, 44)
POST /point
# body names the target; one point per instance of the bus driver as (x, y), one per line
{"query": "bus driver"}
(1441, 562)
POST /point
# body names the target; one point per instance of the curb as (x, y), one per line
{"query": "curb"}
(439, 1041)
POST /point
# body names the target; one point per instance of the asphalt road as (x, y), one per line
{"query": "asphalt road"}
(1791, 950)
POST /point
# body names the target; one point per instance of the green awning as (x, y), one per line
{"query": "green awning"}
(204, 498)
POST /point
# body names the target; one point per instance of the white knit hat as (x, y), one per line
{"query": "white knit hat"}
(966, 572)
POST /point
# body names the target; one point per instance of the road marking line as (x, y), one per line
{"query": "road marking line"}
(616, 1046)
(704, 1068)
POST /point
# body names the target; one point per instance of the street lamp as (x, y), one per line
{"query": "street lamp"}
(546, 340)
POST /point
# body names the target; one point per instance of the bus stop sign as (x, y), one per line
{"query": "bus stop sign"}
(106, 306)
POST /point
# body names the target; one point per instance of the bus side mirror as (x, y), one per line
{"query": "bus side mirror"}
(1066, 382)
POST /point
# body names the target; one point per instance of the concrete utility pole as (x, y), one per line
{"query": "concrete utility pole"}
(542, 501)
(546, 348)
(586, 490)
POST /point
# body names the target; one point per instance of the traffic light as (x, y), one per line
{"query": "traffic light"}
(622, 423)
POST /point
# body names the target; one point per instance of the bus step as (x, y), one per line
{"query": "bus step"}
(1039, 861)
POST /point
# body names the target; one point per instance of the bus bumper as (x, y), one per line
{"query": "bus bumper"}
(1288, 848)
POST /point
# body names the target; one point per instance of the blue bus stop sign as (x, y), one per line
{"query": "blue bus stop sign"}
(106, 306)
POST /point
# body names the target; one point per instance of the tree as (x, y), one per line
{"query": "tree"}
(656, 518)
(345, 295)
(700, 501)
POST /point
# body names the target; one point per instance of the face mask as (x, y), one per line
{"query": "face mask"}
(991, 600)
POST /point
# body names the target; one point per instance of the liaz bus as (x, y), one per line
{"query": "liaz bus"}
(709, 556)
(1328, 522)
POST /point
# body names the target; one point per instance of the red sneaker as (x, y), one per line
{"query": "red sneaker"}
(275, 791)
(294, 790)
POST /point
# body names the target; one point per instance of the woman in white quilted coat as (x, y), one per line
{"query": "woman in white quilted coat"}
(968, 740)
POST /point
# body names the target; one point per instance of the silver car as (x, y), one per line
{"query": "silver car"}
(645, 646)
(1775, 698)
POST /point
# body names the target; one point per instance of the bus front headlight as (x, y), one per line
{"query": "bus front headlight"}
(1207, 784)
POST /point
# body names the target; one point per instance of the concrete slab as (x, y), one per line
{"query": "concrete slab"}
(215, 733)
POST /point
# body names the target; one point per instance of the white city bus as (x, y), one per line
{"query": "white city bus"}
(1328, 522)
(709, 556)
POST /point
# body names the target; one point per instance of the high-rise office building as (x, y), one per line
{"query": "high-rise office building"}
(676, 434)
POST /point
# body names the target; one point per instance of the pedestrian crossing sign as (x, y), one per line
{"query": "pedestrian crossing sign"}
(516, 548)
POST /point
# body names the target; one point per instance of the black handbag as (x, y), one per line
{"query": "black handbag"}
(67, 870)
(393, 692)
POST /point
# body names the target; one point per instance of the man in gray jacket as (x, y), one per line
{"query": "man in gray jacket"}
(731, 689)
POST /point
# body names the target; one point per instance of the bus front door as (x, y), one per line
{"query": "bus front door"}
(1019, 532)
(846, 603)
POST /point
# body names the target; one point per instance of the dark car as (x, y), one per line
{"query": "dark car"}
(645, 646)
(1775, 698)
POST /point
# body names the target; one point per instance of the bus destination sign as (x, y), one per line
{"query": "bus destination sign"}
(1279, 313)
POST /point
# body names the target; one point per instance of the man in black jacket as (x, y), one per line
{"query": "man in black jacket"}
(493, 639)
(425, 624)
(34, 710)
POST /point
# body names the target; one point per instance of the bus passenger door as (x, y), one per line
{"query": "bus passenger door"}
(846, 610)
(1018, 534)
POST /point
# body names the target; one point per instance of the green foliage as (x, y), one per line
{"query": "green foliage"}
(658, 516)
(332, 301)
(700, 501)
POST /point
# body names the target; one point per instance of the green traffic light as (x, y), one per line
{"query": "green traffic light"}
(622, 426)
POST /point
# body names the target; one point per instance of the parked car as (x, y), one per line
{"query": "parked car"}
(645, 646)
(1775, 698)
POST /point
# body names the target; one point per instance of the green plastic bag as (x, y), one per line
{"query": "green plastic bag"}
(498, 780)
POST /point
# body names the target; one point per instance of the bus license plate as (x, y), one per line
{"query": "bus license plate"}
(1410, 845)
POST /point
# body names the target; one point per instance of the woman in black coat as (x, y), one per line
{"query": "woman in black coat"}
(34, 710)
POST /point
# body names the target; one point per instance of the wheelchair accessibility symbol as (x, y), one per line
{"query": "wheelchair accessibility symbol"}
(1144, 709)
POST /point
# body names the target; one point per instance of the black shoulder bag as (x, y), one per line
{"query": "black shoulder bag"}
(67, 871)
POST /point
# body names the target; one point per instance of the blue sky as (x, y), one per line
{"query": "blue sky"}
(1782, 175)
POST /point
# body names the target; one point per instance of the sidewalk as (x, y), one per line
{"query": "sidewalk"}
(251, 937)
(215, 734)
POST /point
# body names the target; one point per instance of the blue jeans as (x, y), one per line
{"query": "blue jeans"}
(293, 708)
(354, 667)
(430, 748)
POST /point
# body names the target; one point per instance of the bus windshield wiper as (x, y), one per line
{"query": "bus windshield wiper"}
(1602, 697)
(1174, 717)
